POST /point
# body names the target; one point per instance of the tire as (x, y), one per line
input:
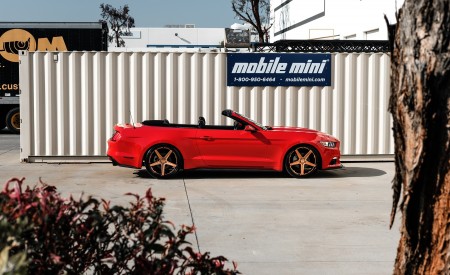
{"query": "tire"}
(302, 161)
(163, 161)
(13, 120)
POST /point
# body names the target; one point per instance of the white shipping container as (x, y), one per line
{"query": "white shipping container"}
(70, 101)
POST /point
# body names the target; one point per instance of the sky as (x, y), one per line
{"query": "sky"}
(146, 13)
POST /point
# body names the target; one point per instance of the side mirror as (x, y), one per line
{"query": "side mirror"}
(249, 128)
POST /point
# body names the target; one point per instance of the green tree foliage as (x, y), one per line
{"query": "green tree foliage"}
(119, 22)
(256, 13)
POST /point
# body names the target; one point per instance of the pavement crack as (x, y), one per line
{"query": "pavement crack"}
(192, 215)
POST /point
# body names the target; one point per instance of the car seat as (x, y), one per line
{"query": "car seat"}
(201, 122)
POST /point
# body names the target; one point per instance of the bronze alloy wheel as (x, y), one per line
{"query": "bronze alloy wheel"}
(163, 161)
(301, 161)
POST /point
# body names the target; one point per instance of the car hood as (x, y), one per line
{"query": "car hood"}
(300, 130)
(292, 129)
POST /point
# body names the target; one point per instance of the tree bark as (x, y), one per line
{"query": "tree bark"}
(420, 106)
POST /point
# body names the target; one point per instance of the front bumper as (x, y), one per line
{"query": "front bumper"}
(331, 159)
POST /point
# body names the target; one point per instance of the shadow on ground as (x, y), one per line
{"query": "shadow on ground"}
(346, 172)
(351, 172)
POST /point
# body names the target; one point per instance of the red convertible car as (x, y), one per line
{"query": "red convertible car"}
(165, 149)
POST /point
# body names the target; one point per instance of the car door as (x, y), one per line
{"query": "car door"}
(228, 148)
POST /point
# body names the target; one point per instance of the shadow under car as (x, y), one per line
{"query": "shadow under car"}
(345, 172)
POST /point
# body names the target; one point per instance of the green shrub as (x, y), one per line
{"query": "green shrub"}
(43, 233)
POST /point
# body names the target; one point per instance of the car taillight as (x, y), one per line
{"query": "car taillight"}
(115, 136)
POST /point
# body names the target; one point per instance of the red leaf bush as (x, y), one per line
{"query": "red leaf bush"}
(71, 236)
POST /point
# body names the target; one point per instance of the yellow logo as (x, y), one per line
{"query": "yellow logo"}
(15, 40)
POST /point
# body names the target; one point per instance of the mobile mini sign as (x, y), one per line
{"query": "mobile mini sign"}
(283, 69)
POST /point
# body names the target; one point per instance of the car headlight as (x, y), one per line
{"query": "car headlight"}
(328, 144)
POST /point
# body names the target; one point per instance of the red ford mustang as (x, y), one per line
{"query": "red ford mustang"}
(166, 149)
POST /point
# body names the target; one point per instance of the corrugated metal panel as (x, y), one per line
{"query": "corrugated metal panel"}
(71, 101)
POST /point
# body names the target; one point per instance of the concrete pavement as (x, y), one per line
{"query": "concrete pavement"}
(334, 223)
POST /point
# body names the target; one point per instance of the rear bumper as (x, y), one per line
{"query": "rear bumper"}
(123, 154)
(115, 163)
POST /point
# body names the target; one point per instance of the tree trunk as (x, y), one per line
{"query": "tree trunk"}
(420, 106)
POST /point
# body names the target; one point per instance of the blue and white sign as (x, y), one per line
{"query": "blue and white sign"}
(278, 69)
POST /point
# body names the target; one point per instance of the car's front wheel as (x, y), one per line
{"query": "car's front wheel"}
(163, 161)
(301, 161)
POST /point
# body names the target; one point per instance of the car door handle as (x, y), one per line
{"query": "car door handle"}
(208, 138)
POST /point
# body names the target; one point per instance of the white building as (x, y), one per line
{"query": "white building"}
(172, 37)
(322, 19)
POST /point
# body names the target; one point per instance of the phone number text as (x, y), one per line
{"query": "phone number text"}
(254, 79)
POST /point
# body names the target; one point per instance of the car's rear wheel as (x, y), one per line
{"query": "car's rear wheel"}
(301, 161)
(163, 161)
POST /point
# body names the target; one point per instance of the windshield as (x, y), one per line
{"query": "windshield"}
(256, 123)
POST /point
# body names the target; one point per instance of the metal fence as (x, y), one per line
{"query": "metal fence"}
(70, 101)
(322, 46)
